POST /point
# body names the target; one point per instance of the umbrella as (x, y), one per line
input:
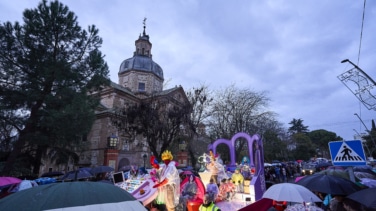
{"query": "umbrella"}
(268, 165)
(298, 178)
(365, 197)
(261, 205)
(302, 207)
(365, 170)
(328, 184)
(323, 165)
(101, 169)
(52, 174)
(78, 174)
(336, 172)
(371, 183)
(72, 196)
(25, 184)
(361, 175)
(290, 192)
(336, 167)
(5, 181)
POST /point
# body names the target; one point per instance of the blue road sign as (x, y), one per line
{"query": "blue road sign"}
(347, 153)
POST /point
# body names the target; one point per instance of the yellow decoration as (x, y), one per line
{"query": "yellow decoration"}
(166, 155)
(212, 155)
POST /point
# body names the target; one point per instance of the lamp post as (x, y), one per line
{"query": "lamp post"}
(356, 66)
(111, 153)
(112, 141)
(370, 133)
(144, 157)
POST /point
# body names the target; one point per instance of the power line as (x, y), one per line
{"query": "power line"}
(337, 123)
(361, 30)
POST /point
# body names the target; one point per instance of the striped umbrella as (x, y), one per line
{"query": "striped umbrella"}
(72, 196)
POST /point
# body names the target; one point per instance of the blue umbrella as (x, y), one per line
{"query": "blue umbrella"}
(77, 174)
(101, 169)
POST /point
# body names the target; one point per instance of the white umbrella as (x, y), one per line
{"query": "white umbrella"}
(290, 192)
(25, 184)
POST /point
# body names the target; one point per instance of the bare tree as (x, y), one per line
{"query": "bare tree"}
(200, 100)
(159, 120)
(238, 110)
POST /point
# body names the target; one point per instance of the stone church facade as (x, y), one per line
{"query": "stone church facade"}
(139, 79)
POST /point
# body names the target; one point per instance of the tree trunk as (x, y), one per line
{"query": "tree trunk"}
(37, 160)
(8, 167)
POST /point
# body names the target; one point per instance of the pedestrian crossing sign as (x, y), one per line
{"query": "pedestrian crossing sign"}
(347, 153)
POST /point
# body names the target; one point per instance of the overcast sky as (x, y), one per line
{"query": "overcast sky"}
(292, 49)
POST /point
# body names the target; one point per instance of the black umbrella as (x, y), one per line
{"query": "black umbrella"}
(52, 174)
(328, 184)
(364, 170)
(76, 175)
(365, 197)
(101, 169)
(323, 165)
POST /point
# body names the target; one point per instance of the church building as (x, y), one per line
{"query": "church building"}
(139, 78)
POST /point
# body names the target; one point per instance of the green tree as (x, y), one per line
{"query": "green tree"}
(49, 67)
(320, 139)
(304, 148)
(370, 138)
(297, 126)
(274, 147)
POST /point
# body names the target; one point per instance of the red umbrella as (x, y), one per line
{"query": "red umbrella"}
(260, 205)
(4, 181)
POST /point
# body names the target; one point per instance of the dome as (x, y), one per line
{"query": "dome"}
(141, 63)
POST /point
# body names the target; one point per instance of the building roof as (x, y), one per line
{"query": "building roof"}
(141, 63)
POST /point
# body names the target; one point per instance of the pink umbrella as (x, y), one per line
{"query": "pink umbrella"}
(298, 178)
(4, 181)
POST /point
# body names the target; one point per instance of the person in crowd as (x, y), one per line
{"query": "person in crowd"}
(212, 189)
(224, 193)
(351, 205)
(212, 167)
(326, 198)
(336, 204)
(168, 183)
(238, 180)
(208, 204)
(277, 170)
(231, 188)
(189, 191)
(279, 205)
(284, 174)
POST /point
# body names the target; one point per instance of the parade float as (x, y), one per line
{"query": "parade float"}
(255, 187)
(141, 187)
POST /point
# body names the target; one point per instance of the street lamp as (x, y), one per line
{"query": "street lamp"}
(370, 132)
(144, 157)
(112, 141)
(358, 68)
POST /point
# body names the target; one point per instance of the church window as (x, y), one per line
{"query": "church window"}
(141, 87)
